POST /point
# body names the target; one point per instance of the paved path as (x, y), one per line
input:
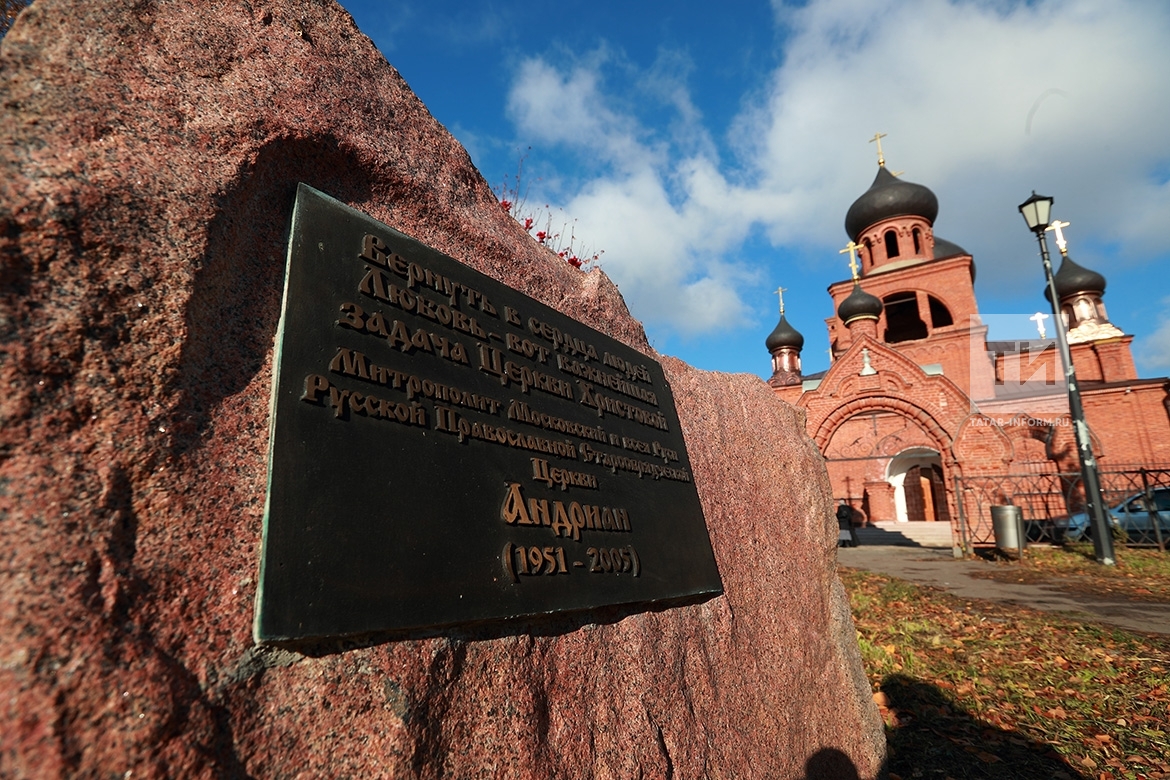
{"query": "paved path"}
(932, 566)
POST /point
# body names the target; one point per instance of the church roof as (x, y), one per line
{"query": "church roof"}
(859, 304)
(784, 336)
(887, 197)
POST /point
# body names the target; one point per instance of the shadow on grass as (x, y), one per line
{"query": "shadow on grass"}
(932, 737)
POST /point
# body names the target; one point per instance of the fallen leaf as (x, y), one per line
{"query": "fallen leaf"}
(881, 700)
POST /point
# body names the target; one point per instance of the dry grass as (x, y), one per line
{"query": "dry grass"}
(1140, 574)
(976, 689)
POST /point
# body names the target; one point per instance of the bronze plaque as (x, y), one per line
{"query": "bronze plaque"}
(446, 450)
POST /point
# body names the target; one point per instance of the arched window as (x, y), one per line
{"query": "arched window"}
(902, 320)
(940, 316)
(917, 242)
(868, 252)
(891, 244)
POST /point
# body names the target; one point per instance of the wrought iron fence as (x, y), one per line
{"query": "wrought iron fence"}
(1137, 498)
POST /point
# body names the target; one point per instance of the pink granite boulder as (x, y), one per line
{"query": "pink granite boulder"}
(149, 155)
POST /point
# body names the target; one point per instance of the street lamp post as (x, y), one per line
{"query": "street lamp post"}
(1037, 210)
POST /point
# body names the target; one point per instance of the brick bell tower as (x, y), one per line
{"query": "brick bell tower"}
(909, 354)
(926, 284)
(1100, 350)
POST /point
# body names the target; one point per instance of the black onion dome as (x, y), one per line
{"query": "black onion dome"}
(859, 304)
(1072, 279)
(887, 197)
(944, 248)
(784, 336)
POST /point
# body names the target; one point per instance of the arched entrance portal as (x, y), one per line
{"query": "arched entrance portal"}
(868, 440)
(919, 490)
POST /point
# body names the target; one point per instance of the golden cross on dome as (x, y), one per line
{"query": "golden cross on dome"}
(1060, 242)
(852, 248)
(877, 138)
(780, 291)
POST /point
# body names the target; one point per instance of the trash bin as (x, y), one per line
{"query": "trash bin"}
(1008, 523)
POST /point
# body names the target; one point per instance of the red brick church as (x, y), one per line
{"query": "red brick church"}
(916, 395)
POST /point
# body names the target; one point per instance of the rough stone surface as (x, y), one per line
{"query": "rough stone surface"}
(149, 152)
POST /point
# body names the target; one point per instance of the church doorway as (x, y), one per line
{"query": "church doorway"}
(919, 489)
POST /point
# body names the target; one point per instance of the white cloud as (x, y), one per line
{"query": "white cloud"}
(568, 108)
(665, 224)
(1152, 351)
(953, 85)
(981, 101)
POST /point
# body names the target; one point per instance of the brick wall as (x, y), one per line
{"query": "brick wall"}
(1130, 422)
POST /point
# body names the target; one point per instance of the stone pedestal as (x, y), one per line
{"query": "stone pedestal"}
(879, 499)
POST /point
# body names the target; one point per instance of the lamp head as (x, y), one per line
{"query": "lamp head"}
(1037, 210)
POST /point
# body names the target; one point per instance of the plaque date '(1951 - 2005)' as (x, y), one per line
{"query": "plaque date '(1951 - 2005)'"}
(523, 561)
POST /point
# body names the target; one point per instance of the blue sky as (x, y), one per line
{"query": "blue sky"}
(712, 151)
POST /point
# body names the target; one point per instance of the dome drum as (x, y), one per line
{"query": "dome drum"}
(901, 240)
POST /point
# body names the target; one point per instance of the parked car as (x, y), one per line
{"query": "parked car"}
(1130, 515)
